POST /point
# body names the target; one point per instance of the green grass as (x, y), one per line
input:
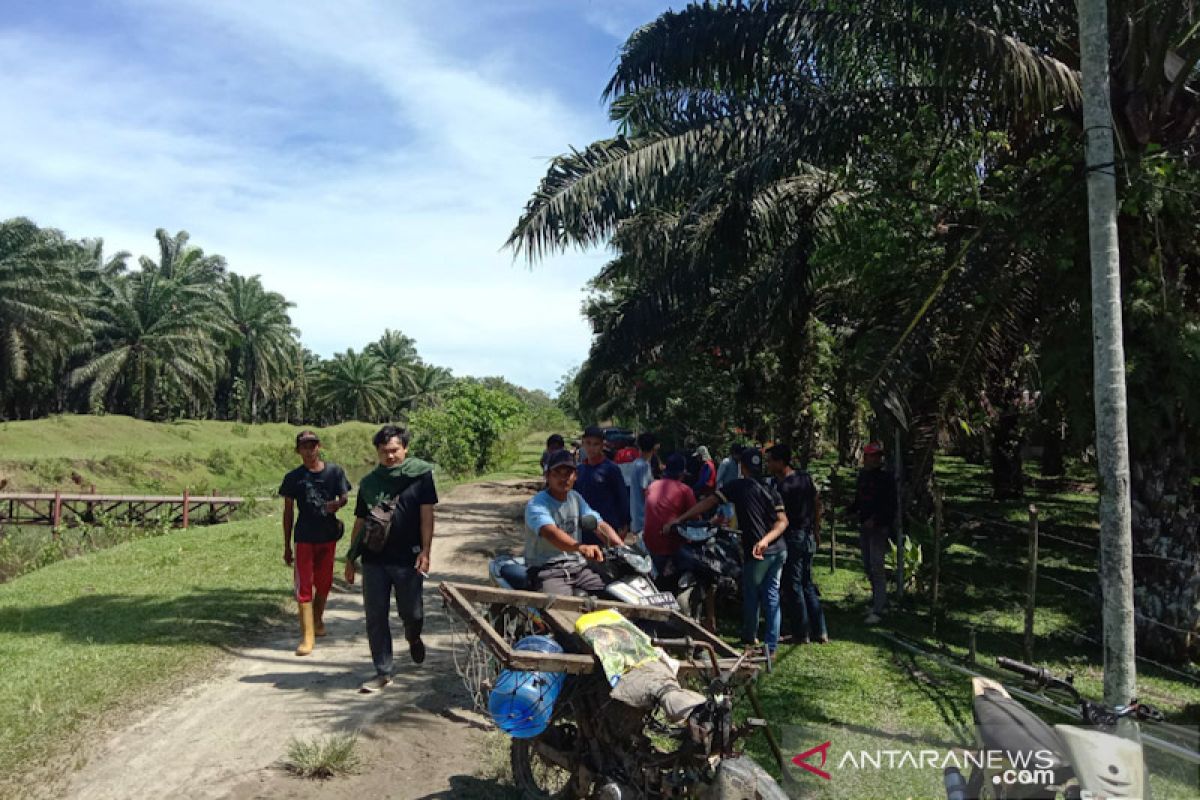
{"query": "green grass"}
(117, 453)
(100, 634)
(323, 757)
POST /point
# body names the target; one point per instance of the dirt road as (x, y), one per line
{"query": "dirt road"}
(226, 737)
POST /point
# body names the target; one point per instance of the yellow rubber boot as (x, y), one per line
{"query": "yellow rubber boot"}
(319, 614)
(306, 630)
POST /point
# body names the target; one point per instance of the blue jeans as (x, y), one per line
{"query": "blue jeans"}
(801, 600)
(760, 586)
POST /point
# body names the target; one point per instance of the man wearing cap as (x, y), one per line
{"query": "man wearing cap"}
(602, 485)
(667, 498)
(706, 478)
(555, 553)
(762, 523)
(319, 489)
(875, 504)
(554, 443)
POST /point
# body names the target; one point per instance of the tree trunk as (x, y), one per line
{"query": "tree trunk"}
(1166, 532)
(1053, 461)
(1112, 437)
(1008, 474)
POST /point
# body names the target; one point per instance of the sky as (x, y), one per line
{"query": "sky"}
(367, 159)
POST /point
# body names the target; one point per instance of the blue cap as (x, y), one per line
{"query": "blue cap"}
(676, 464)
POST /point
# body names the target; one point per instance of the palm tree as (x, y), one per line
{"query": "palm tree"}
(354, 386)
(398, 354)
(39, 287)
(428, 384)
(182, 262)
(262, 345)
(734, 115)
(155, 341)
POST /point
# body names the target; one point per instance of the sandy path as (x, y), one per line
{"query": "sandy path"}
(226, 737)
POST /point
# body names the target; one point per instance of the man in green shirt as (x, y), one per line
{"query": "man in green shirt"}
(401, 567)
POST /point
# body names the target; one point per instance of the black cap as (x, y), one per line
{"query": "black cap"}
(751, 459)
(675, 466)
(306, 436)
(555, 438)
(593, 430)
(558, 458)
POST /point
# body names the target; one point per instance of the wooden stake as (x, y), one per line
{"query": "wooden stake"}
(1031, 588)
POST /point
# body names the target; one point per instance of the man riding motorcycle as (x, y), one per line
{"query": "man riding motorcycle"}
(555, 555)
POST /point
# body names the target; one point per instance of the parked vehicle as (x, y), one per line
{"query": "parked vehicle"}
(1063, 761)
(572, 739)
(707, 572)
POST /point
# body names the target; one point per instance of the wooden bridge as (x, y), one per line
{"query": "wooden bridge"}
(75, 509)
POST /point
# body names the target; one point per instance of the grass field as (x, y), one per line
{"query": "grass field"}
(117, 453)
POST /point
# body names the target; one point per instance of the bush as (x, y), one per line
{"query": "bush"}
(466, 435)
(220, 461)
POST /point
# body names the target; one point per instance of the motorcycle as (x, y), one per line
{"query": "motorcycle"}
(1067, 761)
(627, 573)
(707, 570)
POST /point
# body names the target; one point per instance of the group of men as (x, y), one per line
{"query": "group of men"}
(778, 520)
(588, 502)
(313, 493)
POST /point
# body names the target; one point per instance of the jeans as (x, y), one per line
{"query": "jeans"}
(760, 586)
(380, 582)
(801, 600)
(875, 544)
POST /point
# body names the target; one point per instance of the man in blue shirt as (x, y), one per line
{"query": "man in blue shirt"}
(602, 485)
(555, 553)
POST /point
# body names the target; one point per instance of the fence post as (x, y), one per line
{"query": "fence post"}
(187, 501)
(1031, 590)
(832, 516)
(971, 653)
(899, 475)
(56, 513)
(937, 554)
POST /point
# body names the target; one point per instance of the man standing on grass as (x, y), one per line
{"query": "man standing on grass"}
(401, 567)
(801, 600)
(761, 524)
(319, 489)
(602, 485)
(875, 504)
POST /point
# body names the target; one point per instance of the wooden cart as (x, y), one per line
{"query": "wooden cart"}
(697, 650)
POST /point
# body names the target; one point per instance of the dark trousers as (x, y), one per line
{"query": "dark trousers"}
(875, 544)
(569, 578)
(801, 599)
(380, 583)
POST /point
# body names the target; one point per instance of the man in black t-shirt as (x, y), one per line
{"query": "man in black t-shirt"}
(761, 524)
(401, 567)
(801, 599)
(317, 489)
(875, 504)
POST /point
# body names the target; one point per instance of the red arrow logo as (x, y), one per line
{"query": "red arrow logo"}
(802, 760)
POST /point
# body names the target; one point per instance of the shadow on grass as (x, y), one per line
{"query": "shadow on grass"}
(199, 615)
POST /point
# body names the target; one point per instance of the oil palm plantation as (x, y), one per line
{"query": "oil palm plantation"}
(746, 128)
(398, 354)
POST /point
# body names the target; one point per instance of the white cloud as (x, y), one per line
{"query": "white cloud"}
(368, 176)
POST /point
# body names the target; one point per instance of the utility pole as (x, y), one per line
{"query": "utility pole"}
(1108, 358)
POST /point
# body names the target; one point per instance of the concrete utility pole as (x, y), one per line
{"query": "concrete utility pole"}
(1108, 357)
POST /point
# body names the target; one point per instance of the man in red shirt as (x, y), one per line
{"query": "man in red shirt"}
(666, 499)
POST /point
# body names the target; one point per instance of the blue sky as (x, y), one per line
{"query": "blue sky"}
(368, 159)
